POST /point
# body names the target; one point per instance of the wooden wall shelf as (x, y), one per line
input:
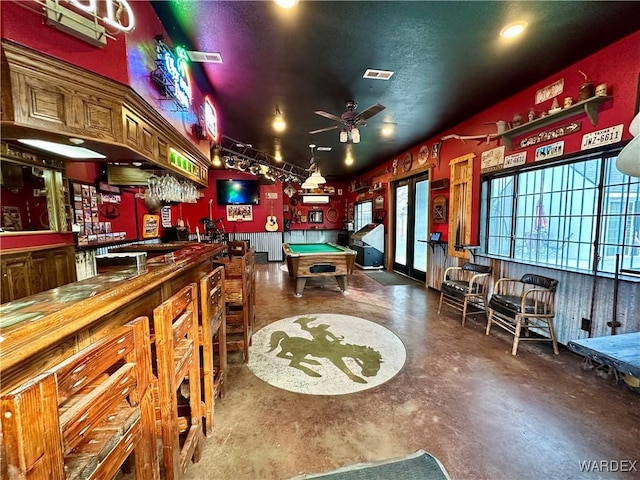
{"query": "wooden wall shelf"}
(440, 184)
(589, 106)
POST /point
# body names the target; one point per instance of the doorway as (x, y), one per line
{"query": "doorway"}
(411, 228)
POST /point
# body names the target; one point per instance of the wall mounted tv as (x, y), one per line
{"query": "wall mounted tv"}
(237, 192)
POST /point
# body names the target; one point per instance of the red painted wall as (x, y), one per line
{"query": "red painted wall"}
(27, 27)
(192, 213)
(612, 65)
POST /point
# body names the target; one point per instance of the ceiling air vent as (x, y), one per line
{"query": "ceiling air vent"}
(378, 74)
(205, 57)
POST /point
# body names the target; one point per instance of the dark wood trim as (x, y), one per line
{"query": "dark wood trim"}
(59, 99)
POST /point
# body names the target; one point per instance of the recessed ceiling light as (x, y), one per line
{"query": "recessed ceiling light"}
(68, 151)
(513, 29)
(136, 164)
(387, 130)
(286, 3)
(312, 145)
(324, 149)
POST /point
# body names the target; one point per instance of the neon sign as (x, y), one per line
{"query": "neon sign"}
(114, 13)
(210, 119)
(182, 162)
(172, 75)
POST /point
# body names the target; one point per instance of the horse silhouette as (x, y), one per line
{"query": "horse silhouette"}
(325, 345)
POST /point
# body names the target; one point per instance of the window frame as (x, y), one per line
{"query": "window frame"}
(601, 221)
(356, 214)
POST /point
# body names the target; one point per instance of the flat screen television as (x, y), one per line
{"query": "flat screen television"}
(237, 192)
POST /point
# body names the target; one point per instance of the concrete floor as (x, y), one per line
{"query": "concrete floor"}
(461, 397)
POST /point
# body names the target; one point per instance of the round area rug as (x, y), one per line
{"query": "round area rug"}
(325, 354)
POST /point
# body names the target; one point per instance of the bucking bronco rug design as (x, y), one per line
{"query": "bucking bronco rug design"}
(325, 354)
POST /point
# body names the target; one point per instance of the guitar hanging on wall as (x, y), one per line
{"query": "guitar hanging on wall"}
(272, 221)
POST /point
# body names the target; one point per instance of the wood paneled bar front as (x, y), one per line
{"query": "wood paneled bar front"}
(41, 330)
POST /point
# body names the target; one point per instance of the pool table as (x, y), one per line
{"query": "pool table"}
(309, 260)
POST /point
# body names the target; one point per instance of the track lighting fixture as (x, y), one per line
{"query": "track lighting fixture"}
(217, 162)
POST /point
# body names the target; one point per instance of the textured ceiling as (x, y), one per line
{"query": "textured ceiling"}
(448, 60)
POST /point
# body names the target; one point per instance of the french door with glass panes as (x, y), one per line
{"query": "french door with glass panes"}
(411, 227)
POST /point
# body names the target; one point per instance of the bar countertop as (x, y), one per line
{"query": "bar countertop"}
(34, 323)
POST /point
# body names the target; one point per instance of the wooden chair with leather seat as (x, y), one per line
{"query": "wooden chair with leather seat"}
(240, 300)
(85, 416)
(524, 305)
(213, 329)
(464, 287)
(177, 361)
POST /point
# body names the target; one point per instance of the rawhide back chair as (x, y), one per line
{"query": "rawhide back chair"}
(464, 287)
(212, 330)
(84, 417)
(526, 304)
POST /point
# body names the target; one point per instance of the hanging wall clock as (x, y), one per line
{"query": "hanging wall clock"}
(407, 161)
(423, 154)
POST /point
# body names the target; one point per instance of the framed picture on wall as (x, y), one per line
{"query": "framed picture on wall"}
(242, 213)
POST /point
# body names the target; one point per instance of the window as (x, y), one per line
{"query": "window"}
(363, 215)
(561, 215)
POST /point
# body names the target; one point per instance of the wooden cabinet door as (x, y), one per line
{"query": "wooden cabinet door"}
(16, 272)
(63, 264)
(39, 272)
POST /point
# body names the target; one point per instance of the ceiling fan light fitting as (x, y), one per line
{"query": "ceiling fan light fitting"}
(355, 135)
(343, 136)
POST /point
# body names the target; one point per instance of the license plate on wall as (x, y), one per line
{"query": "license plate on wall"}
(602, 137)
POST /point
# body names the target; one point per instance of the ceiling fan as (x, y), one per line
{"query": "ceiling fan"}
(349, 121)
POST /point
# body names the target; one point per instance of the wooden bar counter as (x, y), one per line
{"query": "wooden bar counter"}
(39, 331)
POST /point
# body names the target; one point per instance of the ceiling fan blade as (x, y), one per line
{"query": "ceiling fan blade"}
(328, 115)
(320, 130)
(370, 112)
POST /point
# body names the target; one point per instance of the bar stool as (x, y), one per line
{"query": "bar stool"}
(84, 417)
(177, 358)
(240, 300)
(237, 248)
(213, 328)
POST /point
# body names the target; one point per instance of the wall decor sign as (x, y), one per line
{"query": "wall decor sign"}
(552, 134)
(172, 76)
(165, 214)
(439, 212)
(118, 14)
(435, 150)
(550, 151)
(91, 21)
(150, 225)
(182, 162)
(550, 91)
(605, 136)
(492, 159)
(515, 159)
(423, 154)
(210, 119)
